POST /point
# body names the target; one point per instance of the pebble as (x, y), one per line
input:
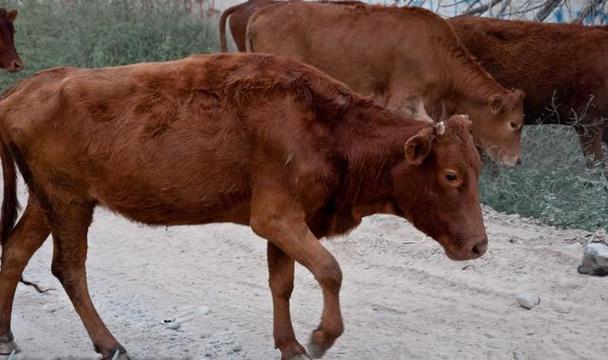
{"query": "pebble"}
(51, 308)
(517, 355)
(172, 324)
(595, 259)
(528, 300)
(562, 308)
(203, 310)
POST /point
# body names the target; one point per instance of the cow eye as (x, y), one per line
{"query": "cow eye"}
(451, 176)
(514, 125)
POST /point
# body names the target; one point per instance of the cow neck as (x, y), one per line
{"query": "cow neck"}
(372, 143)
(469, 82)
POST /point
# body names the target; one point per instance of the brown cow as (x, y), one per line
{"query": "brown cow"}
(563, 68)
(239, 16)
(250, 139)
(9, 59)
(394, 55)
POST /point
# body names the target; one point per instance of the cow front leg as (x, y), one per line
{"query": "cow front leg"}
(281, 274)
(28, 235)
(278, 217)
(69, 226)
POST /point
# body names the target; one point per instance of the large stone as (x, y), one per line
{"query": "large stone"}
(595, 259)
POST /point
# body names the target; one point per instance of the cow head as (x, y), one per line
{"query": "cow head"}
(9, 59)
(435, 187)
(498, 124)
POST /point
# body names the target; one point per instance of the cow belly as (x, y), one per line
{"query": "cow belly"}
(152, 210)
(200, 189)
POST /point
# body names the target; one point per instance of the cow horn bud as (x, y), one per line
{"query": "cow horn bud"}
(440, 128)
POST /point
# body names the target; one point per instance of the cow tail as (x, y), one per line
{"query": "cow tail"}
(249, 36)
(10, 202)
(223, 19)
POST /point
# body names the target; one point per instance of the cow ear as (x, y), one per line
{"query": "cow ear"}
(12, 15)
(418, 147)
(496, 104)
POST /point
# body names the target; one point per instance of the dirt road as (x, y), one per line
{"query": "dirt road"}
(402, 298)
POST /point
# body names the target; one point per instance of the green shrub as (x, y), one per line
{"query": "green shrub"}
(552, 184)
(95, 33)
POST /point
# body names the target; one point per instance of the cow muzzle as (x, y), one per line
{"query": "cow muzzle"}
(471, 250)
(15, 66)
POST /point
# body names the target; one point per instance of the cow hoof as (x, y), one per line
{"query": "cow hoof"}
(8, 346)
(294, 352)
(117, 355)
(298, 357)
(315, 351)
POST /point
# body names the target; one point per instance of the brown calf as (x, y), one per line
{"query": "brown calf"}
(9, 59)
(563, 68)
(257, 140)
(394, 55)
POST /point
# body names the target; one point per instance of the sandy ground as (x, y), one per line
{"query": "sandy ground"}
(402, 298)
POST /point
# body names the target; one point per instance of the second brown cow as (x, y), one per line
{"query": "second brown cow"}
(395, 55)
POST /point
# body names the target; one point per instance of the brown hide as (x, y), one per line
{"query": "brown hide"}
(239, 15)
(9, 59)
(251, 139)
(394, 54)
(560, 67)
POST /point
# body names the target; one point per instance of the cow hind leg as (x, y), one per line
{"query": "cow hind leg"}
(28, 235)
(281, 275)
(69, 226)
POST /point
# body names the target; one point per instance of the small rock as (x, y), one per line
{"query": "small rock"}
(600, 236)
(172, 324)
(517, 355)
(203, 310)
(562, 308)
(528, 300)
(51, 308)
(595, 259)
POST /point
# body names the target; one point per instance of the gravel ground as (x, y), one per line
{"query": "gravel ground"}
(402, 298)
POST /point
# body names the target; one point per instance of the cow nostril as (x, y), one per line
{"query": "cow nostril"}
(479, 248)
(17, 65)
(518, 162)
(475, 250)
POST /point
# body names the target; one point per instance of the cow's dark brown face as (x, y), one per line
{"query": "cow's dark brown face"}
(436, 188)
(498, 125)
(9, 59)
